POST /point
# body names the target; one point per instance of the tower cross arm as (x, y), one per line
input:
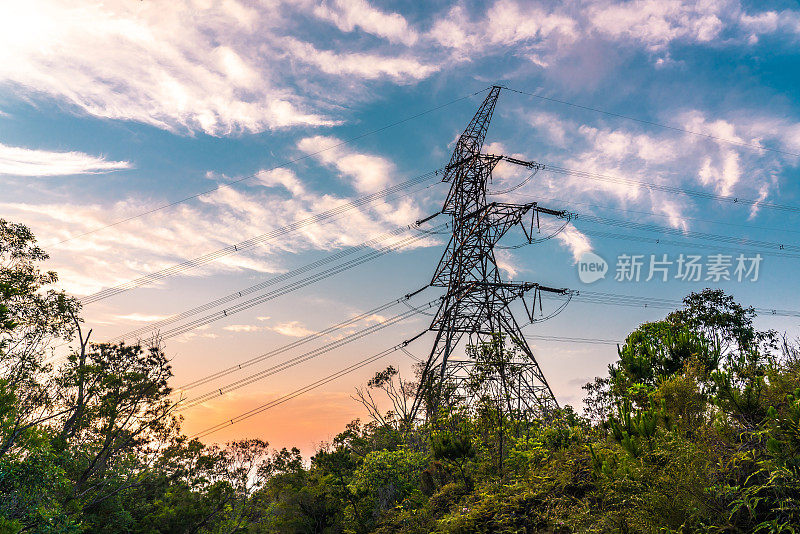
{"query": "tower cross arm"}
(518, 289)
(527, 286)
(500, 217)
(490, 160)
(521, 162)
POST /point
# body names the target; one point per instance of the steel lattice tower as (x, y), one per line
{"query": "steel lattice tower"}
(477, 300)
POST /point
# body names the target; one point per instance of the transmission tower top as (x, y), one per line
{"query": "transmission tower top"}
(477, 299)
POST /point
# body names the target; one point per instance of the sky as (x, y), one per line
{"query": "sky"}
(263, 114)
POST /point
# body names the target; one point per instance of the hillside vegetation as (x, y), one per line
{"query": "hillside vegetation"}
(695, 428)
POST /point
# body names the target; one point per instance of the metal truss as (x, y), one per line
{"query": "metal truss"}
(476, 303)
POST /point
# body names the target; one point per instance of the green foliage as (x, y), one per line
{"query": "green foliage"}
(388, 478)
(31, 485)
(456, 449)
(696, 428)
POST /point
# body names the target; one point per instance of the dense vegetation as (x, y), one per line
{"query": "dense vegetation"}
(696, 428)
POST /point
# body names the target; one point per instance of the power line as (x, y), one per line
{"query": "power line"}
(615, 299)
(327, 215)
(664, 215)
(706, 246)
(560, 339)
(262, 285)
(282, 165)
(297, 360)
(255, 301)
(479, 123)
(687, 233)
(782, 250)
(250, 303)
(181, 329)
(303, 390)
(586, 296)
(596, 297)
(672, 189)
(652, 123)
(289, 346)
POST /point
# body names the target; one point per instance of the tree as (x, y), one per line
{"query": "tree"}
(399, 392)
(32, 317)
(124, 410)
(720, 319)
(455, 449)
(387, 478)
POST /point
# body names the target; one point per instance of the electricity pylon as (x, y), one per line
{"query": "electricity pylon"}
(477, 300)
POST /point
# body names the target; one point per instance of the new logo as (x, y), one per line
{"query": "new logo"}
(591, 267)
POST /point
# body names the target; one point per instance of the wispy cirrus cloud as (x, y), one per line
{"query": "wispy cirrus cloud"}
(292, 329)
(670, 158)
(176, 65)
(221, 218)
(348, 15)
(365, 66)
(657, 23)
(367, 172)
(235, 67)
(239, 328)
(20, 161)
(223, 68)
(530, 28)
(543, 33)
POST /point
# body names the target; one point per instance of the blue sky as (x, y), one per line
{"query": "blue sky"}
(110, 110)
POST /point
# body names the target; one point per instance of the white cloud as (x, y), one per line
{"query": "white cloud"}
(771, 22)
(533, 31)
(765, 22)
(176, 65)
(507, 263)
(231, 66)
(672, 207)
(552, 125)
(188, 336)
(350, 14)
(762, 196)
(791, 137)
(375, 318)
(673, 159)
(141, 317)
(362, 65)
(221, 218)
(242, 328)
(292, 329)
(575, 240)
(282, 177)
(19, 161)
(722, 176)
(545, 34)
(368, 172)
(510, 23)
(656, 23)
(138, 247)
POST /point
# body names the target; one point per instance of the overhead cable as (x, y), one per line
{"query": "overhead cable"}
(303, 340)
(241, 246)
(652, 123)
(731, 199)
(303, 282)
(369, 244)
(297, 360)
(279, 166)
(305, 389)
